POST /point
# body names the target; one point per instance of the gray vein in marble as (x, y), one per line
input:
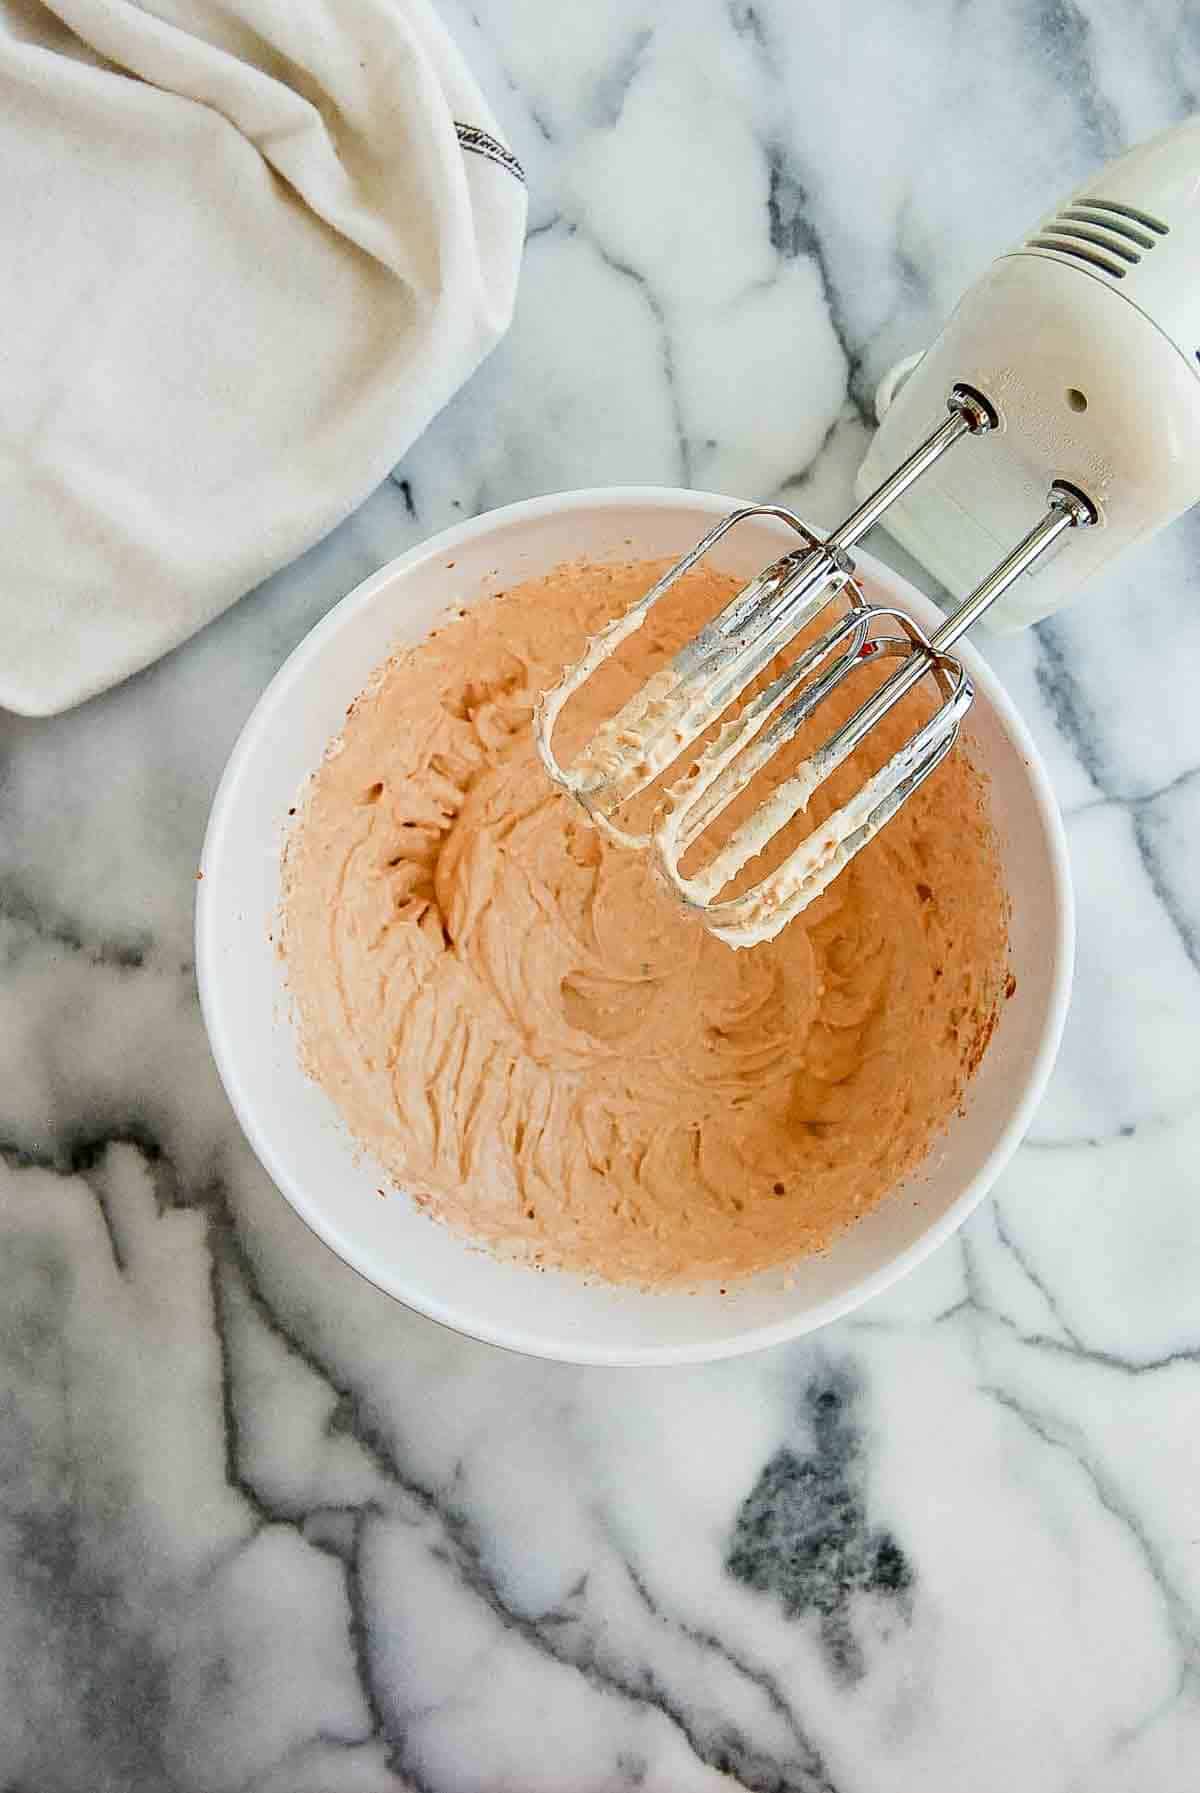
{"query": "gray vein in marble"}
(723, 1747)
(359, 1626)
(975, 1307)
(324, 1464)
(1147, 834)
(1053, 1433)
(80, 1152)
(1075, 721)
(33, 920)
(1169, 62)
(512, 86)
(655, 307)
(810, 1760)
(719, 1744)
(1068, 703)
(1075, 1353)
(1029, 1271)
(791, 231)
(608, 94)
(71, 1594)
(86, 1159)
(1141, 800)
(404, 486)
(794, 237)
(1089, 1142)
(746, 21)
(1067, 33)
(796, 482)
(554, 222)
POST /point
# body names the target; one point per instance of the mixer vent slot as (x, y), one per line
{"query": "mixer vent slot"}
(1129, 212)
(1065, 245)
(1105, 235)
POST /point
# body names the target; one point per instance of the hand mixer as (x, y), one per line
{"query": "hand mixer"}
(1069, 376)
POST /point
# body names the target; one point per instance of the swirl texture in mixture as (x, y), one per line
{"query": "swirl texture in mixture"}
(519, 1023)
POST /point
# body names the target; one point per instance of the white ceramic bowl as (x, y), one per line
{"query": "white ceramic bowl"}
(299, 1136)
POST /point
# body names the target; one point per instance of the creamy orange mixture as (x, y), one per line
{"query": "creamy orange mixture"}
(521, 1025)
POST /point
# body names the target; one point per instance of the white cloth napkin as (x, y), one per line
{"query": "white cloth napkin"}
(248, 248)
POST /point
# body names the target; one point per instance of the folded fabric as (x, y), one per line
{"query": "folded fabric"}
(248, 248)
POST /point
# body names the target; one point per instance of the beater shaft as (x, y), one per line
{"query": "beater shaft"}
(1067, 509)
(679, 704)
(675, 707)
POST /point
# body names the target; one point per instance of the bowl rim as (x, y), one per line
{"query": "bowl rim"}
(465, 1320)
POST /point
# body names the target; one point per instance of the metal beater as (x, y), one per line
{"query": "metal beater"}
(675, 707)
(1078, 356)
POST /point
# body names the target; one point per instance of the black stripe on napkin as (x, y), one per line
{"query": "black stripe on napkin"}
(472, 138)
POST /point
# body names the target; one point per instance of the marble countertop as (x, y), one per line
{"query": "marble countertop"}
(261, 1528)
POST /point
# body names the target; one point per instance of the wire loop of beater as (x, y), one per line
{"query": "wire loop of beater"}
(680, 703)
